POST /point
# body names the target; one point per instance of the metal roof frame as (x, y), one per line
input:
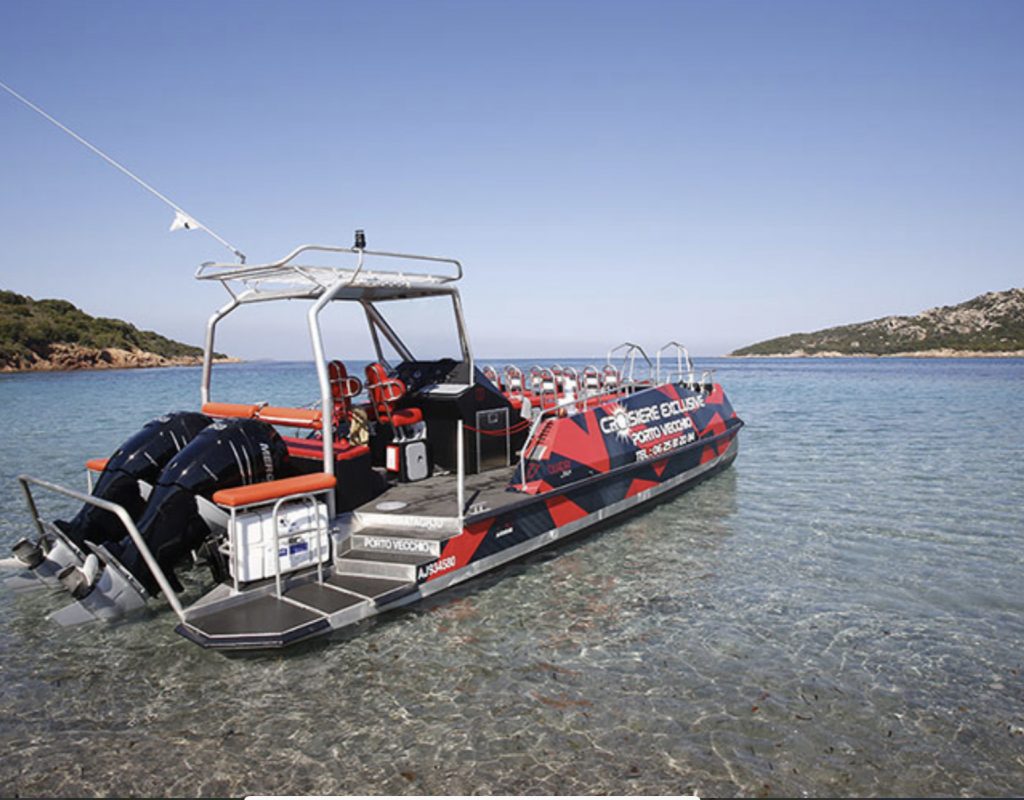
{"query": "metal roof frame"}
(287, 280)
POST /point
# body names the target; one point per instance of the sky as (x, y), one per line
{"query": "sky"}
(715, 173)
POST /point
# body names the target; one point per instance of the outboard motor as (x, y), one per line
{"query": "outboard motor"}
(141, 458)
(225, 454)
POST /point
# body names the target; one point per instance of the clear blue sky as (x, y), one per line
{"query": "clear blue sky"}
(713, 172)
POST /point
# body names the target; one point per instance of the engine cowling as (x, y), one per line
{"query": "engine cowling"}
(141, 458)
(225, 454)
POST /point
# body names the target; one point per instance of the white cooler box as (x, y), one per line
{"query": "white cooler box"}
(296, 547)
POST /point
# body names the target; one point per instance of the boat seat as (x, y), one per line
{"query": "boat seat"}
(344, 388)
(385, 394)
(272, 415)
(531, 396)
(231, 410)
(268, 491)
(406, 416)
(290, 417)
(492, 375)
(314, 448)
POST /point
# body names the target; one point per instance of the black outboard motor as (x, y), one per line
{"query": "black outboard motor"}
(225, 454)
(142, 457)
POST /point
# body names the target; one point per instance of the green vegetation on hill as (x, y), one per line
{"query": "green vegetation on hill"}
(29, 327)
(990, 323)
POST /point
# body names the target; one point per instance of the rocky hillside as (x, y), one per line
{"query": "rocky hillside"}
(55, 335)
(990, 324)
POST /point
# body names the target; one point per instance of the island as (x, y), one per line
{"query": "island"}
(991, 324)
(57, 335)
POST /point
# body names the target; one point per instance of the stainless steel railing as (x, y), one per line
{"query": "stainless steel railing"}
(220, 271)
(121, 514)
(319, 530)
(630, 353)
(684, 364)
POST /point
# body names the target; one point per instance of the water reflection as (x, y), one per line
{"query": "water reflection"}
(838, 614)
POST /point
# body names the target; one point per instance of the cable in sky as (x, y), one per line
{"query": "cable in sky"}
(182, 219)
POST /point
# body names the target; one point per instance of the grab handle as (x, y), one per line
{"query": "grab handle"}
(122, 515)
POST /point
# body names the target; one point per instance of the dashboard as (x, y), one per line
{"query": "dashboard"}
(418, 374)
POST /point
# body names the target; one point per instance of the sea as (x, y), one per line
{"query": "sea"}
(840, 613)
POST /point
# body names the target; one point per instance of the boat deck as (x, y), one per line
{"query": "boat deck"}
(306, 608)
(437, 496)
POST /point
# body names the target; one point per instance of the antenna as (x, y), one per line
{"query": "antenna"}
(182, 218)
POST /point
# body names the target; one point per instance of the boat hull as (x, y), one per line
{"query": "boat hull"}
(489, 542)
(641, 501)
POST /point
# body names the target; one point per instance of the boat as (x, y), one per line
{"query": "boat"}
(399, 480)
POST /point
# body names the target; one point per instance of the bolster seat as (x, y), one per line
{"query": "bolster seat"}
(231, 410)
(314, 448)
(274, 490)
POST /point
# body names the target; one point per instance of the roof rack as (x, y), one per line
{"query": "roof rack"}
(286, 279)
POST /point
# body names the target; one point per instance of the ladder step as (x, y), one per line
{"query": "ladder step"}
(421, 527)
(378, 541)
(397, 566)
(415, 559)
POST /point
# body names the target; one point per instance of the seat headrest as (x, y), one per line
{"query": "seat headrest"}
(376, 372)
(336, 373)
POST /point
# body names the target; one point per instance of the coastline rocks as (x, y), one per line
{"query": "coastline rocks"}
(941, 353)
(989, 325)
(61, 356)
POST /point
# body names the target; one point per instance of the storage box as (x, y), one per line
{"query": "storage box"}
(410, 460)
(298, 525)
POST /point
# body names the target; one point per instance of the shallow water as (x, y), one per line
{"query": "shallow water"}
(838, 614)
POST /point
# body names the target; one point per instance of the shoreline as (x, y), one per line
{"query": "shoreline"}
(74, 358)
(942, 353)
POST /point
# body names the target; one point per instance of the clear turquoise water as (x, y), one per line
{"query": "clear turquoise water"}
(839, 614)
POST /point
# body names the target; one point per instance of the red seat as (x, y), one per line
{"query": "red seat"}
(385, 392)
(290, 417)
(314, 448)
(406, 416)
(344, 387)
(235, 410)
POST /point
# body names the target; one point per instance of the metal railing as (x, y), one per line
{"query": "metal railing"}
(88, 476)
(543, 415)
(223, 271)
(460, 469)
(121, 514)
(682, 358)
(630, 353)
(625, 385)
(319, 530)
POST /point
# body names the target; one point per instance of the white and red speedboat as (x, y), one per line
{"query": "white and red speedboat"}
(396, 483)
